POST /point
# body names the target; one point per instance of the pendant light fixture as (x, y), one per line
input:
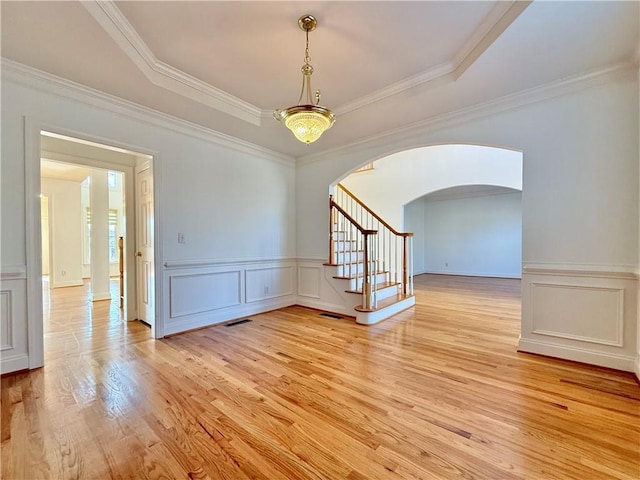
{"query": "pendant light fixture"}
(307, 121)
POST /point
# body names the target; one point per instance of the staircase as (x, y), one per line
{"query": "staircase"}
(368, 260)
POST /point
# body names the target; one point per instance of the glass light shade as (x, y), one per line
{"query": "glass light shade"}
(307, 122)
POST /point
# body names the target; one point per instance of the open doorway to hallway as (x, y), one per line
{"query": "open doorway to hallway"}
(90, 273)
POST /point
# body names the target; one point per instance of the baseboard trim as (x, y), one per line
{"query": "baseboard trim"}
(14, 364)
(208, 319)
(465, 274)
(100, 296)
(582, 355)
(75, 283)
(636, 367)
(324, 306)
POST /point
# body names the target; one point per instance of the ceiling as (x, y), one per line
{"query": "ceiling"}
(226, 65)
(63, 171)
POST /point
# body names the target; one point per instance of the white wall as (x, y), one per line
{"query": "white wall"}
(66, 232)
(405, 176)
(234, 202)
(479, 236)
(579, 207)
(414, 222)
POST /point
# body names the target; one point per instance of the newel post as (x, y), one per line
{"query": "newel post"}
(331, 244)
(405, 279)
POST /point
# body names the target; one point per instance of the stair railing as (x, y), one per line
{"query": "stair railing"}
(395, 249)
(347, 241)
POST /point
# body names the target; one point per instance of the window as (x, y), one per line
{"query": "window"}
(113, 236)
(112, 181)
(364, 168)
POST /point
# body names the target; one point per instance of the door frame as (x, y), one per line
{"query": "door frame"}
(35, 326)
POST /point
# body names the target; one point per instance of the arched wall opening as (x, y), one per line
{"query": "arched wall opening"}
(463, 203)
(398, 179)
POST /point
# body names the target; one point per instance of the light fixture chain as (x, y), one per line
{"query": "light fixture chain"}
(307, 57)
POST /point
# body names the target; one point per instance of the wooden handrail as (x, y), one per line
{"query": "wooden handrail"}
(362, 230)
(374, 214)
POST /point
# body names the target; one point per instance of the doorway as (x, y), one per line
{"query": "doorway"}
(92, 210)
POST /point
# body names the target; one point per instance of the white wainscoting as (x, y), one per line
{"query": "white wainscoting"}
(315, 287)
(202, 292)
(265, 283)
(14, 350)
(580, 312)
(309, 277)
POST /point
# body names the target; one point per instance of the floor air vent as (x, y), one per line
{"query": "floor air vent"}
(330, 315)
(239, 322)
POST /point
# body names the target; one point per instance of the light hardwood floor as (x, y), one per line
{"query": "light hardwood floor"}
(437, 392)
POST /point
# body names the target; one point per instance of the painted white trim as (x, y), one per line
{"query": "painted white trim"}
(603, 359)
(622, 272)
(73, 283)
(211, 262)
(15, 364)
(618, 342)
(500, 17)
(13, 272)
(32, 129)
(318, 269)
(24, 75)
(467, 274)
(370, 318)
(8, 342)
(109, 17)
(35, 327)
(505, 103)
(324, 306)
(213, 317)
(100, 296)
(636, 367)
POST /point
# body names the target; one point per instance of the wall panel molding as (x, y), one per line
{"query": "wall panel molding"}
(13, 326)
(7, 320)
(202, 292)
(309, 278)
(583, 305)
(585, 313)
(268, 282)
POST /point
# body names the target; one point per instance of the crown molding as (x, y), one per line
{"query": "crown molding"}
(438, 72)
(111, 19)
(557, 88)
(496, 22)
(500, 17)
(52, 84)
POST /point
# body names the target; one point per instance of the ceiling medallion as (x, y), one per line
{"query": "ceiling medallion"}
(306, 121)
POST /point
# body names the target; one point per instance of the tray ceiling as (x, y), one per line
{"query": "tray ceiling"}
(380, 65)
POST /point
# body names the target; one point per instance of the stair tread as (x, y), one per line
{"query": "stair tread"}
(384, 303)
(378, 286)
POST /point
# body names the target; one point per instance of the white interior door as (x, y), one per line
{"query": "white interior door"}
(144, 246)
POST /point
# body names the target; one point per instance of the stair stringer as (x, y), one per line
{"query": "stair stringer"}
(340, 286)
(352, 300)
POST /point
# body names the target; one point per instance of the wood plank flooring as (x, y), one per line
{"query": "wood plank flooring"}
(437, 392)
(74, 325)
